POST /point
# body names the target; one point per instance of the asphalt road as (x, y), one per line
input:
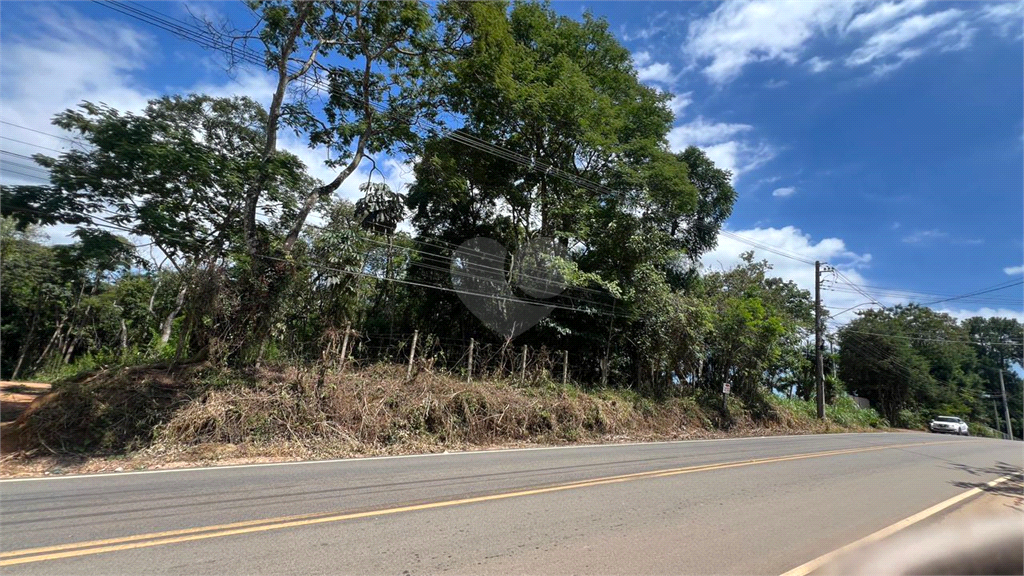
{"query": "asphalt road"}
(737, 506)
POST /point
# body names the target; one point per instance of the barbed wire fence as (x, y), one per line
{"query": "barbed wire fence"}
(466, 359)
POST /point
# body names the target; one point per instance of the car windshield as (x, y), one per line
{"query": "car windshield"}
(946, 419)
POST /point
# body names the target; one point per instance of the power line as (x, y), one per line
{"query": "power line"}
(889, 290)
(24, 175)
(994, 289)
(924, 339)
(31, 144)
(39, 131)
(991, 300)
(9, 153)
(316, 265)
(973, 296)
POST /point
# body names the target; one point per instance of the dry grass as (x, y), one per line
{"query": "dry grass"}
(153, 417)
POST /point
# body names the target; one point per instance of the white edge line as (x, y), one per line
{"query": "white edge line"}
(458, 453)
(808, 567)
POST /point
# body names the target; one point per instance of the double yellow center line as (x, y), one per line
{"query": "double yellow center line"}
(253, 526)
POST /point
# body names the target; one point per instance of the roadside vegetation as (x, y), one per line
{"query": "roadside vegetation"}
(150, 415)
(218, 293)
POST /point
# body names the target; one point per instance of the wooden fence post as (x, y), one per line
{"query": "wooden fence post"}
(524, 363)
(412, 354)
(344, 344)
(565, 366)
(469, 375)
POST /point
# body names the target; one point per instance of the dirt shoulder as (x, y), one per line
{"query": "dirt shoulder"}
(15, 397)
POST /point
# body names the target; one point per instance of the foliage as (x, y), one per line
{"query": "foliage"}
(916, 363)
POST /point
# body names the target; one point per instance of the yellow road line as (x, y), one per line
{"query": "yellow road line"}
(253, 526)
(808, 567)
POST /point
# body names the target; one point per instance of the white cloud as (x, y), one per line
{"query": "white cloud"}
(784, 192)
(739, 33)
(956, 38)
(922, 236)
(891, 40)
(679, 102)
(701, 132)
(775, 83)
(646, 33)
(719, 142)
(985, 312)
(883, 14)
(818, 65)
(895, 226)
(658, 72)
(791, 240)
(641, 58)
(1014, 270)
(55, 64)
(1004, 16)
(62, 60)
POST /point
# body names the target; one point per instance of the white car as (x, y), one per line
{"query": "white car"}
(948, 425)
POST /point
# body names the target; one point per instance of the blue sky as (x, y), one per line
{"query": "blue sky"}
(885, 138)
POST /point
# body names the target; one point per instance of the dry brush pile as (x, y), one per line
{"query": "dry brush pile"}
(371, 410)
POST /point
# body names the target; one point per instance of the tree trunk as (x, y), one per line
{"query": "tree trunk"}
(70, 350)
(53, 339)
(124, 337)
(168, 323)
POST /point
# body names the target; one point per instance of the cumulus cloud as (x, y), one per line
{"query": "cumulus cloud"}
(985, 312)
(784, 192)
(1014, 270)
(656, 72)
(793, 241)
(842, 304)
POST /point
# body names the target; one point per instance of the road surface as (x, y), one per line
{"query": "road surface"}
(736, 506)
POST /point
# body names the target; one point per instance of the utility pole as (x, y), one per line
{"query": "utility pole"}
(819, 367)
(1006, 406)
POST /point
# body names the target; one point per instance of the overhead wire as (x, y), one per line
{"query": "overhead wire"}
(39, 132)
(317, 265)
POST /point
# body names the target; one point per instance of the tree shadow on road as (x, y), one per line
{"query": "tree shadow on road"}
(1012, 487)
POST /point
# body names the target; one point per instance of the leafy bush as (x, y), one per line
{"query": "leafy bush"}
(909, 419)
(844, 412)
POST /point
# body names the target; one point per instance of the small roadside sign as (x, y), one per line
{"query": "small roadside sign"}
(726, 387)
